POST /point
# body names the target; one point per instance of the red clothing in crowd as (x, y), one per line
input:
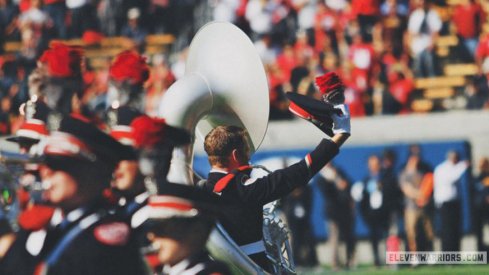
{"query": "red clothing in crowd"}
(366, 7)
(326, 21)
(400, 90)
(49, 2)
(286, 61)
(24, 5)
(468, 19)
(483, 48)
(302, 48)
(362, 56)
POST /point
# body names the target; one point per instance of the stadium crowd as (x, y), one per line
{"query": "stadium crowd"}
(380, 48)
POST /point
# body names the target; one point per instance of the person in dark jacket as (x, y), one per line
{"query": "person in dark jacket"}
(373, 207)
(297, 208)
(339, 211)
(242, 198)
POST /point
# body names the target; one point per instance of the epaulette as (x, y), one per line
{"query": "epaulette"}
(113, 233)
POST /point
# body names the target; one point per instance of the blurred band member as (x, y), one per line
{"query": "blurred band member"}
(180, 221)
(127, 73)
(81, 237)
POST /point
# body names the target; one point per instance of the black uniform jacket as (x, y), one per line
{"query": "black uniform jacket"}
(199, 264)
(241, 201)
(93, 243)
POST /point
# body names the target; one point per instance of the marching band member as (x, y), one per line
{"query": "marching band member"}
(180, 220)
(82, 237)
(242, 198)
(146, 135)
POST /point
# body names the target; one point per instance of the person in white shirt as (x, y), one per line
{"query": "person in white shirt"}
(423, 27)
(447, 176)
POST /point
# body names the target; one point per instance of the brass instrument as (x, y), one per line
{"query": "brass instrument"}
(224, 84)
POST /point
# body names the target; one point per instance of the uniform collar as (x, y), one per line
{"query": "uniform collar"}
(176, 269)
(218, 170)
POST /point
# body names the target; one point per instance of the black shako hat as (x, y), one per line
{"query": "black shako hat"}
(180, 201)
(316, 111)
(76, 139)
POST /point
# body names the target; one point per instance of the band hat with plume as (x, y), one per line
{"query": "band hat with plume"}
(151, 132)
(80, 140)
(122, 130)
(129, 66)
(316, 111)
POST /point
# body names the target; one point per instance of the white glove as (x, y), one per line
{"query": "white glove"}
(341, 123)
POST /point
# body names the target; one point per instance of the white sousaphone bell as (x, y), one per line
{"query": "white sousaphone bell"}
(224, 84)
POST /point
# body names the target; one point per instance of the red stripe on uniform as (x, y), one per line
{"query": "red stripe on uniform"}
(309, 160)
(223, 182)
(173, 205)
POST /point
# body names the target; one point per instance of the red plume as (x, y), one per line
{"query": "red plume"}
(148, 131)
(63, 60)
(129, 65)
(35, 217)
(329, 82)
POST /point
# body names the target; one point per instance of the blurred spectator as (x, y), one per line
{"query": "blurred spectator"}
(265, 49)
(8, 75)
(367, 12)
(423, 27)
(326, 28)
(411, 182)
(133, 30)
(468, 18)
(363, 59)
(400, 88)
(373, 206)
(392, 191)
(8, 13)
(161, 12)
(482, 54)
(83, 17)
(481, 204)
(394, 21)
(111, 16)
(225, 10)
(36, 21)
(477, 93)
(340, 213)
(297, 209)
(286, 61)
(447, 177)
(306, 10)
(259, 17)
(56, 9)
(34, 17)
(423, 166)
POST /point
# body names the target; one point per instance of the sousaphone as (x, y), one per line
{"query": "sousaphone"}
(224, 84)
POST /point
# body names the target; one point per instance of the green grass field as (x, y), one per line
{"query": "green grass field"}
(428, 270)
